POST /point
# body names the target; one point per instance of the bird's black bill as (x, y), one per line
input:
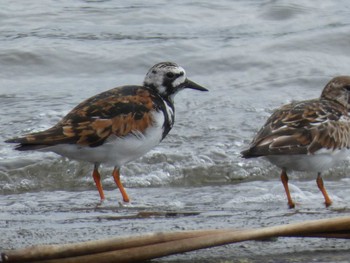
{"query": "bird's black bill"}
(189, 84)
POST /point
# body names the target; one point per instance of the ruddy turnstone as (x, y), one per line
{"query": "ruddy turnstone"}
(116, 126)
(311, 135)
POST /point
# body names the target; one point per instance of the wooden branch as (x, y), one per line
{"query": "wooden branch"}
(41, 252)
(145, 247)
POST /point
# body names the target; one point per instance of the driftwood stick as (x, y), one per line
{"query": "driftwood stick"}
(45, 252)
(339, 235)
(127, 253)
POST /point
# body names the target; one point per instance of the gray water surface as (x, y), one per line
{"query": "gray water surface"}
(253, 56)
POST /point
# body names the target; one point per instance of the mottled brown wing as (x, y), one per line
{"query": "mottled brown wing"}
(119, 111)
(299, 128)
(331, 135)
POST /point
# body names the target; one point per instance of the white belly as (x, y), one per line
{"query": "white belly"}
(318, 162)
(116, 151)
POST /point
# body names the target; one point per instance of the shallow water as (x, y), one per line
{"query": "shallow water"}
(253, 56)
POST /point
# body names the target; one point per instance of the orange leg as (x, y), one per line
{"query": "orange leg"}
(116, 177)
(284, 179)
(97, 178)
(320, 185)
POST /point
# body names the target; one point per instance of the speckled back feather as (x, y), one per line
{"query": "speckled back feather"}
(119, 111)
(307, 126)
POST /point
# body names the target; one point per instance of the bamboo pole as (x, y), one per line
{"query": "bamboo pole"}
(334, 227)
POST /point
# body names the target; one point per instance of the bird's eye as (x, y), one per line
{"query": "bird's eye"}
(170, 75)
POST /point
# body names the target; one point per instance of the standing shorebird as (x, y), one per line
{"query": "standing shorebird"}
(116, 126)
(311, 135)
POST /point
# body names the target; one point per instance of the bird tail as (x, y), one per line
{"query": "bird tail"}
(250, 153)
(39, 140)
(24, 145)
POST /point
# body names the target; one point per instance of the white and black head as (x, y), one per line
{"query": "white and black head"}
(168, 78)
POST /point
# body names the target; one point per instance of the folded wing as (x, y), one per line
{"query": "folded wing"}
(302, 128)
(120, 111)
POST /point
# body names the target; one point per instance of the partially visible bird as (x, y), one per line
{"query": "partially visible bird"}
(116, 126)
(311, 135)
